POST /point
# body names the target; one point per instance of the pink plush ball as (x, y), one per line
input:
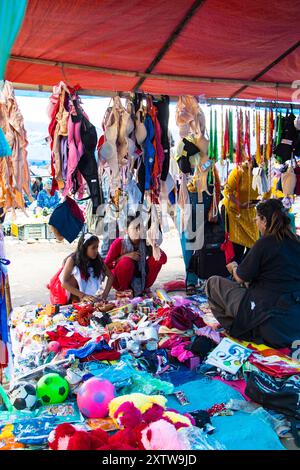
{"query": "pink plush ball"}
(54, 346)
(93, 397)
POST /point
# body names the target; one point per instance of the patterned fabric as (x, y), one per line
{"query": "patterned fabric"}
(44, 200)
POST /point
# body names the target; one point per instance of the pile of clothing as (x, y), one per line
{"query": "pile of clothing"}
(172, 369)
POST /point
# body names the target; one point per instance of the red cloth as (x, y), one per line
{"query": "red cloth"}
(102, 356)
(182, 318)
(277, 367)
(172, 286)
(228, 249)
(73, 341)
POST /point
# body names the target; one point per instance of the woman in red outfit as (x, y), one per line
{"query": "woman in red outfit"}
(132, 262)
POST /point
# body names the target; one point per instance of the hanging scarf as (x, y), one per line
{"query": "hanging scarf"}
(257, 132)
(138, 282)
(265, 136)
(270, 134)
(222, 133)
(238, 158)
(211, 138)
(215, 143)
(247, 136)
(225, 148)
(230, 126)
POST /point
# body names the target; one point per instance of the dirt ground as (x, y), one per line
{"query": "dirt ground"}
(33, 264)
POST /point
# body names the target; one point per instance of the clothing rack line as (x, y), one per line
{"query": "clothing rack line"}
(208, 101)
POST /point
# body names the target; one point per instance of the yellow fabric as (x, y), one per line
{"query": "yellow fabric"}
(242, 225)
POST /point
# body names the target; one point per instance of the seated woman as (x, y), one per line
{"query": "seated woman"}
(84, 272)
(268, 310)
(44, 198)
(132, 262)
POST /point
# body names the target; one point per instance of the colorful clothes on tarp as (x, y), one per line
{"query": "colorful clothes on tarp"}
(271, 361)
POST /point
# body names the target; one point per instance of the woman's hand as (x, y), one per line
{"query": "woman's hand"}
(89, 299)
(231, 266)
(135, 255)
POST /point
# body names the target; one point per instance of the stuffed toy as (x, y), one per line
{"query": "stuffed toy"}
(153, 429)
(140, 401)
(161, 435)
(127, 410)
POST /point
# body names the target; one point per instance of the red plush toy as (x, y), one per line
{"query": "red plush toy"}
(67, 437)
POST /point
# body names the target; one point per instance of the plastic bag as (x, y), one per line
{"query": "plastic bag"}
(58, 295)
(196, 439)
(134, 197)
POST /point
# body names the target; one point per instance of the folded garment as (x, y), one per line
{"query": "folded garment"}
(172, 286)
(164, 330)
(181, 353)
(67, 339)
(171, 342)
(89, 348)
(201, 346)
(182, 318)
(209, 333)
(102, 356)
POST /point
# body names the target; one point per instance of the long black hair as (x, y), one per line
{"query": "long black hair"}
(278, 222)
(83, 262)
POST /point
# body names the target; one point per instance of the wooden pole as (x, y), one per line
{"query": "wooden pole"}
(156, 76)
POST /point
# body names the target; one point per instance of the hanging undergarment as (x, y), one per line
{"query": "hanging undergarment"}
(159, 152)
(140, 131)
(87, 164)
(75, 150)
(108, 151)
(122, 137)
(189, 116)
(149, 152)
(162, 106)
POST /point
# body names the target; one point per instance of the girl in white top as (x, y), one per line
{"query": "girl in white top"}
(84, 272)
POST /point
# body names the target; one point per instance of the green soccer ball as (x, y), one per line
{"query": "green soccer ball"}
(52, 389)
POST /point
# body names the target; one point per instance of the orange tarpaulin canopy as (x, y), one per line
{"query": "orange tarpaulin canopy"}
(214, 48)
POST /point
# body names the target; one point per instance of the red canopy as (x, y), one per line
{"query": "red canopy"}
(184, 42)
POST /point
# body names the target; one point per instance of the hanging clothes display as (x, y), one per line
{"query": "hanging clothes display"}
(73, 141)
(14, 170)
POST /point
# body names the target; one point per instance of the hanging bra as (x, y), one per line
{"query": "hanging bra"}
(140, 131)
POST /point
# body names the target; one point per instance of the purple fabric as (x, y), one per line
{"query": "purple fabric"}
(209, 333)
(64, 156)
(75, 152)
